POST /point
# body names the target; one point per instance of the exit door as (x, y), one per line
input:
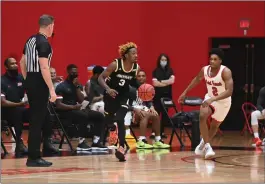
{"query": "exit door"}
(246, 59)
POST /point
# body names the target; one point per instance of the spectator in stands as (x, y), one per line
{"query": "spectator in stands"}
(14, 106)
(258, 115)
(163, 78)
(55, 79)
(70, 108)
(94, 91)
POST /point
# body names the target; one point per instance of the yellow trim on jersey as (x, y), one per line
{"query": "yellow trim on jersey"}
(124, 69)
(117, 65)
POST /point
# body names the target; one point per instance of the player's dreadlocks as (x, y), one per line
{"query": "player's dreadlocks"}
(124, 49)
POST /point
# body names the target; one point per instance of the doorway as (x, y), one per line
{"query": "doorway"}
(246, 59)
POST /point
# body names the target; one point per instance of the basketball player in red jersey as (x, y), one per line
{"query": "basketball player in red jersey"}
(217, 101)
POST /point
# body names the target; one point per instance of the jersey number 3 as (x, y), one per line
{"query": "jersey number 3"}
(122, 82)
(214, 91)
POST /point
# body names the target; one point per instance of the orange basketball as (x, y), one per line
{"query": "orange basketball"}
(146, 92)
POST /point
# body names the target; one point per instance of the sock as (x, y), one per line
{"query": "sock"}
(207, 145)
(256, 135)
(157, 138)
(141, 138)
(153, 133)
(96, 139)
(202, 142)
(81, 140)
(128, 131)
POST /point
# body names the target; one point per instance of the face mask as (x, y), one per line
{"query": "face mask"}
(72, 76)
(13, 73)
(163, 64)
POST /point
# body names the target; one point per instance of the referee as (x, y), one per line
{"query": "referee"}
(35, 64)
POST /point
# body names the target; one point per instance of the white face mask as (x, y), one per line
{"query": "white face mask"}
(163, 64)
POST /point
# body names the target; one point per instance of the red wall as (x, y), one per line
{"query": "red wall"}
(90, 32)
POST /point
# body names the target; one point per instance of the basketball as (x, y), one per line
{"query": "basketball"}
(146, 92)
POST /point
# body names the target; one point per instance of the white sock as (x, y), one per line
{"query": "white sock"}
(141, 138)
(157, 138)
(96, 139)
(256, 135)
(207, 145)
(81, 140)
(202, 142)
(153, 133)
(128, 131)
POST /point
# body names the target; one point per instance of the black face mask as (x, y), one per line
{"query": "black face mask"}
(13, 73)
(71, 77)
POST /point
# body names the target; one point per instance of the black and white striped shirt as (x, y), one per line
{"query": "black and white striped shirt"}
(36, 46)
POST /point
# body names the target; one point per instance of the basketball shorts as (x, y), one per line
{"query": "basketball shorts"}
(112, 105)
(98, 106)
(129, 116)
(220, 109)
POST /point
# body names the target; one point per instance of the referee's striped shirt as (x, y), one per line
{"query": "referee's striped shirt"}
(36, 46)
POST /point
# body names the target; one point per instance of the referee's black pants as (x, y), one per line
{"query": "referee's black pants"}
(40, 125)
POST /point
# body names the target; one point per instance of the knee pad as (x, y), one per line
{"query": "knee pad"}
(254, 117)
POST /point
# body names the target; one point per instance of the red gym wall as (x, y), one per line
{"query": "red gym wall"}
(89, 33)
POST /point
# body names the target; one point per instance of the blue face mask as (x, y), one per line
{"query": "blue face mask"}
(163, 64)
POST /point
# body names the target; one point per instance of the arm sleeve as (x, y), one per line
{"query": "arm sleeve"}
(261, 99)
(44, 49)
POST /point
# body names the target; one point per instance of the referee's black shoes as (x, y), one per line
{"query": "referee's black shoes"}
(38, 163)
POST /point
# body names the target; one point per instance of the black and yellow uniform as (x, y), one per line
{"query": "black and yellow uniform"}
(119, 80)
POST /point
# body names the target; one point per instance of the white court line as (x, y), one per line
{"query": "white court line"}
(91, 172)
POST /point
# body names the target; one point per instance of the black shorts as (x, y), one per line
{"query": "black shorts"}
(112, 105)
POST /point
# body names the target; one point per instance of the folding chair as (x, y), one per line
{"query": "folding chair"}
(3, 147)
(176, 121)
(184, 120)
(247, 109)
(8, 128)
(3, 129)
(57, 120)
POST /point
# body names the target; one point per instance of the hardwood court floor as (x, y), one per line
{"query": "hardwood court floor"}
(235, 161)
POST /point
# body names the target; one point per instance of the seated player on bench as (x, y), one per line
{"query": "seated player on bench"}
(258, 115)
(147, 113)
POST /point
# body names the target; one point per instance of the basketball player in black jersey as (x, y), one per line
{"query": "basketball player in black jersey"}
(119, 75)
